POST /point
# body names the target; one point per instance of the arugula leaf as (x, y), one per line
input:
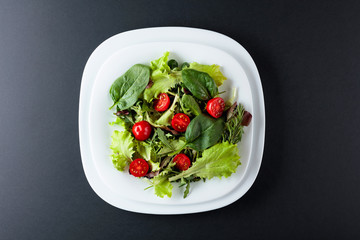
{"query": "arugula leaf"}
(212, 70)
(175, 146)
(221, 160)
(183, 182)
(164, 139)
(122, 147)
(203, 132)
(187, 190)
(138, 109)
(126, 89)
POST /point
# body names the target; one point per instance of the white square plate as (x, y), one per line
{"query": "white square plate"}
(110, 60)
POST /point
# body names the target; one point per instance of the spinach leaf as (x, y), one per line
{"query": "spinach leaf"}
(204, 132)
(188, 103)
(200, 84)
(126, 89)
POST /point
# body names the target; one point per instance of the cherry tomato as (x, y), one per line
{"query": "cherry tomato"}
(180, 122)
(215, 107)
(182, 162)
(141, 130)
(139, 167)
(162, 103)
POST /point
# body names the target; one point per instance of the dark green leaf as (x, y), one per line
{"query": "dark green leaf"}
(187, 189)
(127, 88)
(189, 103)
(204, 132)
(163, 139)
(173, 64)
(184, 65)
(200, 84)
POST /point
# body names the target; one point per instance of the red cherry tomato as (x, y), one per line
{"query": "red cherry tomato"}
(180, 122)
(139, 167)
(182, 162)
(162, 103)
(141, 130)
(215, 107)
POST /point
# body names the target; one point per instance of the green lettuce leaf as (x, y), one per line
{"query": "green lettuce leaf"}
(154, 165)
(160, 65)
(221, 160)
(118, 121)
(143, 149)
(212, 70)
(162, 78)
(162, 186)
(122, 147)
(161, 84)
(161, 183)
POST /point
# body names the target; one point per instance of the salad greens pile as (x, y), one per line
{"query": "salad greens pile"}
(210, 143)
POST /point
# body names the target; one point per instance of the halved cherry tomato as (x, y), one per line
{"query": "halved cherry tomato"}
(162, 103)
(139, 167)
(215, 107)
(141, 130)
(180, 122)
(182, 162)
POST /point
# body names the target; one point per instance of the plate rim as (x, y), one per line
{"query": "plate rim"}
(193, 35)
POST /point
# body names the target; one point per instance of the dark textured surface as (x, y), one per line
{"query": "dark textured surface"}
(308, 56)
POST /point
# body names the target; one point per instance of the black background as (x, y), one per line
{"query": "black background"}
(308, 56)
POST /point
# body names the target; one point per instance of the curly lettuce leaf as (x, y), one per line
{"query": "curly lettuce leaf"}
(162, 186)
(162, 78)
(160, 65)
(155, 166)
(143, 149)
(212, 70)
(118, 121)
(161, 183)
(122, 146)
(221, 160)
(161, 84)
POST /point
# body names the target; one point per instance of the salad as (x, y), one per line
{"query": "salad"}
(175, 126)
